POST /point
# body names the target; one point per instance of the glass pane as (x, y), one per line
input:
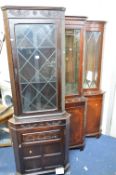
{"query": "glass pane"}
(36, 49)
(92, 59)
(72, 60)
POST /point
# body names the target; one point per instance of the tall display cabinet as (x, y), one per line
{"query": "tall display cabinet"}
(83, 97)
(74, 102)
(40, 125)
(92, 75)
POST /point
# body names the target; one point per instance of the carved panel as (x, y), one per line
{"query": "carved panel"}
(34, 13)
(41, 124)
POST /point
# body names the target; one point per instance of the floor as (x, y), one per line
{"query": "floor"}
(98, 158)
(4, 135)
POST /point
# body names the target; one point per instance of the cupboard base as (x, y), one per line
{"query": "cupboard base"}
(79, 146)
(40, 144)
(45, 172)
(95, 134)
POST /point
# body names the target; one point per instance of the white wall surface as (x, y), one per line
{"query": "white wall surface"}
(96, 10)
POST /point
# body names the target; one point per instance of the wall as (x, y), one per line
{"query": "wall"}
(96, 10)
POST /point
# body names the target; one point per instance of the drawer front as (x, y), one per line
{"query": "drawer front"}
(41, 136)
(42, 125)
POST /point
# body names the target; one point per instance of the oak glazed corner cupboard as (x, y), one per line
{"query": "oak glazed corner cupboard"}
(39, 128)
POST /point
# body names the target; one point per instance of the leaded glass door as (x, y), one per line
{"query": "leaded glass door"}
(36, 66)
(92, 60)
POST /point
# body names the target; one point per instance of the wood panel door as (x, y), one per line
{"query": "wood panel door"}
(94, 115)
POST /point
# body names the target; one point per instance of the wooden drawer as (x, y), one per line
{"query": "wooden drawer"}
(41, 136)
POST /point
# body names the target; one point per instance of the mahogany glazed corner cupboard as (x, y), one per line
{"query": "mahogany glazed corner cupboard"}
(84, 99)
(74, 102)
(91, 76)
(40, 125)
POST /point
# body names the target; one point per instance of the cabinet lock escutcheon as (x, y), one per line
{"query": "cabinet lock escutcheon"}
(19, 145)
(30, 151)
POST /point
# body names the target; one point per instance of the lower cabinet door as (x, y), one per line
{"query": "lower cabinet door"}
(94, 115)
(32, 164)
(43, 156)
(53, 154)
(77, 126)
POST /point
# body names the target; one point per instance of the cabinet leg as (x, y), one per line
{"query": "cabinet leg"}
(82, 148)
(98, 135)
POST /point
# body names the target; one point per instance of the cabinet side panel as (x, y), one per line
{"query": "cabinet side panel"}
(10, 61)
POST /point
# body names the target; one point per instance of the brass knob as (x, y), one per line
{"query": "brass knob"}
(19, 145)
(30, 151)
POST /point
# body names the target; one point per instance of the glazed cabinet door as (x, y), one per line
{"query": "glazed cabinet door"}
(36, 65)
(74, 53)
(92, 60)
(93, 55)
(72, 60)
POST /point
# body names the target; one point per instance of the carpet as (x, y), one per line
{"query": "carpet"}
(98, 158)
(5, 139)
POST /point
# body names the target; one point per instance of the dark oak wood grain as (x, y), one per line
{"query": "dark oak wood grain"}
(40, 126)
(41, 145)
